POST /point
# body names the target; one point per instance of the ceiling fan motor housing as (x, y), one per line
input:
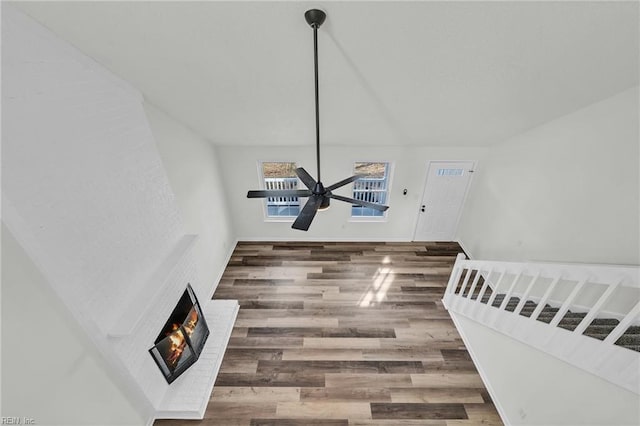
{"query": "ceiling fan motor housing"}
(319, 189)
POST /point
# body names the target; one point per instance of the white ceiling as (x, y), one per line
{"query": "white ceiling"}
(391, 73)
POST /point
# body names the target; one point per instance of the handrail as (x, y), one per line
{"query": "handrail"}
(593, 272)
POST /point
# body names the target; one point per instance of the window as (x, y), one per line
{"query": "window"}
(373, 188)
(281, 176)
(450, 172)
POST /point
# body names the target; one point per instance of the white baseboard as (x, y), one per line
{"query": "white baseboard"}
(216, 281)
(326, 239)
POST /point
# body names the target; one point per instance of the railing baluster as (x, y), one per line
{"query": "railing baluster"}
(495, 289)
(474, 283)
(629, 319)
(455, 273)
(483, 289)
(525, 295)
(507, 296)
(542, 303)
(595, 309)
(567, 303)
(465, 282)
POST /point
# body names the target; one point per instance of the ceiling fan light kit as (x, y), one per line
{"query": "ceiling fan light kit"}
(319, 195)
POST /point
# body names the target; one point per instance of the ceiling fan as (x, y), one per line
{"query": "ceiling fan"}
(319, 195)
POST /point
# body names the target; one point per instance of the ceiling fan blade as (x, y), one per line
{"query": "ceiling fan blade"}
(343, 182)
(306, 178)
(360, 203)
(279, 193)
(303, 221)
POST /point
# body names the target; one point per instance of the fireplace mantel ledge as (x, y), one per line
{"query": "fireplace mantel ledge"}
(155, 286)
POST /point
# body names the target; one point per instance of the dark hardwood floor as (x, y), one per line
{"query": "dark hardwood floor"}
(343, 334)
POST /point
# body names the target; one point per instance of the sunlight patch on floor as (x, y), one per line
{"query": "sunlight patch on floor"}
(381, 281)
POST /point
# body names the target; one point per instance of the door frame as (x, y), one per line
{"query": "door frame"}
(474, 167)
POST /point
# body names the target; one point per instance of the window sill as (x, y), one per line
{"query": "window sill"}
(284, 219)
(367, 219)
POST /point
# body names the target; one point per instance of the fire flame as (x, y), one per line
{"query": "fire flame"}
(177, 347)
(191, 322)
(177, 339)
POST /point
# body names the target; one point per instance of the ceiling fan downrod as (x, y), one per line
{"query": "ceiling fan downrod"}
(315, 18)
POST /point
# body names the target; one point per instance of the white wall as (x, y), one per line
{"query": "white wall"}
(51, 371)
(565, 191)
(240, 174)
(86, 195)
(193, 170)
(533, 388)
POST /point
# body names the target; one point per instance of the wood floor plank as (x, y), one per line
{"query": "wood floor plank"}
(342, 331)
(349, 367)
(449, 366)
(427, 335)
(436, 395)
(398, 422)
(287, 322)
(238, 366)
(364, 380)
(338, 334)
(246, 394)
(299, 422)
(302, 322)
(341, 342)
(474, 422)
(262, 282)
(322, 354)
(402, 354)
(271, 304)
(271, 380)
(252, 353)
(239, 332)
(482, 412)
(367, 394)
(385, 410)
(240, 410)
(324, 410)
(366, 320)
(416, 344)
(447, 380)
(215, 421)
(266, 342)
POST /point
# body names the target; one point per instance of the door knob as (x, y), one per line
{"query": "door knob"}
(422, 208)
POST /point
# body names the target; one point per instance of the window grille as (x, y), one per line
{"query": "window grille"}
(372, 188)
(450, 172)
(279, 176)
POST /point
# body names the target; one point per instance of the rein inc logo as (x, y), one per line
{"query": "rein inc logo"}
(17, 421)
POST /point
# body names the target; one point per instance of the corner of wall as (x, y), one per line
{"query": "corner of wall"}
(464, 248)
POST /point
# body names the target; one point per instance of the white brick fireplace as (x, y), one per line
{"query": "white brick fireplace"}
(86, 195)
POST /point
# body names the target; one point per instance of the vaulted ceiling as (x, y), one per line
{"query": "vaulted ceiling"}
(391, 73)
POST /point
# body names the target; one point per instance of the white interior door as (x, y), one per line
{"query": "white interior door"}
(443, 199)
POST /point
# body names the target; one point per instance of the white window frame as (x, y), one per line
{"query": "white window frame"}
(390, 170)
(265, 211)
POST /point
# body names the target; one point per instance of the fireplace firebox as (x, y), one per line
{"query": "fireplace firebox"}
(182, 338)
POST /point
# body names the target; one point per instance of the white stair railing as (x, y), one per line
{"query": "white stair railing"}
(583, 292)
